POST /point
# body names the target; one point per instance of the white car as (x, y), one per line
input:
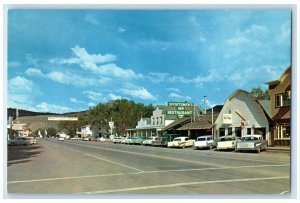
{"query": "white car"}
(117, 140)
(61, 139)
(205, 141)
(226, 143)
(149, 140)
(181, 142)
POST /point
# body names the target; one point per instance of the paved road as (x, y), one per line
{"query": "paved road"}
(78, 167)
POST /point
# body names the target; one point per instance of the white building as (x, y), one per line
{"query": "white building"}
(242, 115)
(86, 131)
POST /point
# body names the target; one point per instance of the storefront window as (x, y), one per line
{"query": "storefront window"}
(238, 132)
(285, 131)
(222, 132)
(248, 131)
(229, 131)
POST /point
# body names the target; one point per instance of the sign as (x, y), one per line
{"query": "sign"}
(18, 126)
(227, 118)
(62, 118)
(111, 124)
(180, 109)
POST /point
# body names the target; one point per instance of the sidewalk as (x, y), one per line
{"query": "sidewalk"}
(280, 148)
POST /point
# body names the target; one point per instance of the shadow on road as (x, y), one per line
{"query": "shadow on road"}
(21, 154)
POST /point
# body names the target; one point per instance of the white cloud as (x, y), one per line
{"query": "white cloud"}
(92, 19)
(34, 72)
(158, 77)
(137, 92)
(60, 77)
(74, 100)
(284, 34)
(45, 107)
(95, 96)
(113, 96)
(85, 57)
(177, 96)
(173, 90)
(121, 29)
(91, 104)
(20, 84)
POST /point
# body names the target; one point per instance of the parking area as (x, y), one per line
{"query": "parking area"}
(78, 167)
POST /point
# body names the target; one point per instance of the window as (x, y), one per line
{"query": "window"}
(283, 99)
(161, 120)
(229, 131)
(222, 132)
(156, 120)
(285, 131)
(248, 131)
(238, 132)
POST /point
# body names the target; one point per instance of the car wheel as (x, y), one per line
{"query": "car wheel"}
(258, 150)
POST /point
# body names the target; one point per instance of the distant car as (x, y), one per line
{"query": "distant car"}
(20, 141)
(128, 140)
(205, 142)
(117, 139)
(86, 139)
(181, 142)
(226, 143)
(163, 141)
(149, 140)
(61, 139)
(101, 139)
(75, 138)
(251, 143)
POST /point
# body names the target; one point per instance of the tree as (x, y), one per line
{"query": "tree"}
(51, 132)
(260, 94)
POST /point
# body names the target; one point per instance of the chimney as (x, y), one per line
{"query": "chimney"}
(17, 114)
(204, 104)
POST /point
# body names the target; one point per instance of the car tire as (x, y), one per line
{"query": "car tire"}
(258, 150)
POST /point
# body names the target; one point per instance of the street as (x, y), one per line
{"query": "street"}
(86, 167)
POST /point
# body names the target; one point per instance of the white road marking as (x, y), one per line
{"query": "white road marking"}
(151, 155)
(181, 184)
(143, 172)
(96, 157)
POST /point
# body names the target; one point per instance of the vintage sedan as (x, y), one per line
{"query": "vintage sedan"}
(20, 141)
(149, 140)
(117, 139)
(205, 142)
(138, 140)
(251, 143)
(181, 142)
(226, 143)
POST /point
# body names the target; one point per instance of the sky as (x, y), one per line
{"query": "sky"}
(70, 60)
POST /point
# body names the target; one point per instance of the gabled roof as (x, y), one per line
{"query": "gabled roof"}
(177, 123)
(202, 122)
(266, 105)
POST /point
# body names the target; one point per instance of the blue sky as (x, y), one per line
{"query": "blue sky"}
(70, 60)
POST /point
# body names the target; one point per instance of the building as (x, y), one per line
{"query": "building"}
(86, 131)
(242, 115)
(280, 101)
(162, 116)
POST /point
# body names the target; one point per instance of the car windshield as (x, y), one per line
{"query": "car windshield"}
(201, 139)
(249, 138)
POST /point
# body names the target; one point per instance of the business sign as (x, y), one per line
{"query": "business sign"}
(111, 124)
(62, 118)
(180, 109)
(18, 126)
(227, 118)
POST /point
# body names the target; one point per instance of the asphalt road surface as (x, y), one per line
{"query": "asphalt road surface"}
(83, 167)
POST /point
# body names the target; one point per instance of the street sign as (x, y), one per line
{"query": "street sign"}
(111, 124)
(62, 118)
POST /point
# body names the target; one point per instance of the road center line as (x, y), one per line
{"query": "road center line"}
(143, 172)
(182, 184)
(151, 155)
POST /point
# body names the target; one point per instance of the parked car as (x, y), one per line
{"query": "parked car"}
(181, 142)
(226, 143)
(251, 143)
(101, 139)
(117, 139)
(149, 140)
(163, 141)
(205, 142)
(127, 140)
(61, 139)
(138, 140)
(20, 141)
(86, 139)
(32, 140)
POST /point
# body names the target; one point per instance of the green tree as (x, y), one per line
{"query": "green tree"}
(260, 94)
(51, 132)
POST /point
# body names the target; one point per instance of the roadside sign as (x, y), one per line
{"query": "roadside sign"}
(62, 118)
(111, 124)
